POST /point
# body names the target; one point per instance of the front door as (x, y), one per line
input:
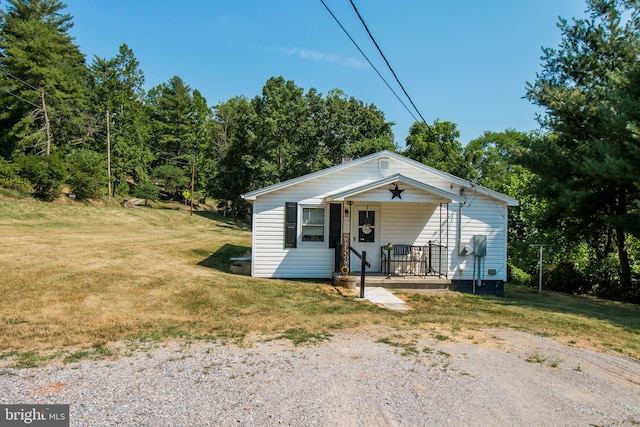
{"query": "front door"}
(365, 236)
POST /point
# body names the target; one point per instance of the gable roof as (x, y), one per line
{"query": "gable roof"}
(392, 180)
(252, 195)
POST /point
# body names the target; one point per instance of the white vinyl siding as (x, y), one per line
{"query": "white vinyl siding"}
(487, 218)
(417, 218)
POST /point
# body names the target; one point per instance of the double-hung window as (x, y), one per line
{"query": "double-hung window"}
(313, 225)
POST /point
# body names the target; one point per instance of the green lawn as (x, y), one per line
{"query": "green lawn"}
(85, 277)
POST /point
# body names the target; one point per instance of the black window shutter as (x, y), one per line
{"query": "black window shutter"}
(290, 224)
(335, 224)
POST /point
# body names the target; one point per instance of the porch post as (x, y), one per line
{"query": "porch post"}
(346, 237)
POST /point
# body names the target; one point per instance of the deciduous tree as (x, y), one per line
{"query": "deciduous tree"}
(437, 146)
(118, 87)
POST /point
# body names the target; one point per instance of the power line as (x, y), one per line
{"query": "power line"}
(448, 154)
(71, 107)
(387, 62)
(159, 153)
(20, 98)
(370, 63)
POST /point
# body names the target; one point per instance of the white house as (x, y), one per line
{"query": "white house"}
(411, 219)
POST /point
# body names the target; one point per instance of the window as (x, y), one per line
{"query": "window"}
(367, 226)
(313, 225)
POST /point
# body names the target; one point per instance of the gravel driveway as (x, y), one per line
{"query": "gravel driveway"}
(375, 377)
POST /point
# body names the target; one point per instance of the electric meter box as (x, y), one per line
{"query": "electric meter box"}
(480, 245)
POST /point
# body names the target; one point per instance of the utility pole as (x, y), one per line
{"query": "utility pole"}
(193, 176)
(47, 129)
(541, 246)
(108, 158)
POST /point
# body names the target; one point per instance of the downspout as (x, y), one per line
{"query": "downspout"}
(448, 243)
(459, 225)
(475, 258)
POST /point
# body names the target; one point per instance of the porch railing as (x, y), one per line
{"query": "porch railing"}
(412, 260)
(363, 264)
(407, 260)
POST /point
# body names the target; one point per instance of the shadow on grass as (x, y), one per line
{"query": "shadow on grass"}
(228, 223)
(624, 315)
(221, 259)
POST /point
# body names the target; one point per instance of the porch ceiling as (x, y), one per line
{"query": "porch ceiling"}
(445, 196)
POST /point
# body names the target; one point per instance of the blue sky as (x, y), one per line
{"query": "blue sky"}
(465, 61)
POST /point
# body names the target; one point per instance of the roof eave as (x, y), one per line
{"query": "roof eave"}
(445, 195)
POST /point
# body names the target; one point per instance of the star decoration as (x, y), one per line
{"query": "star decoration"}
(396, 193)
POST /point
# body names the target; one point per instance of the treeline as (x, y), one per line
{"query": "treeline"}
(64, 121)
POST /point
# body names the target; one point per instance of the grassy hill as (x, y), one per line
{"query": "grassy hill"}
(84, 277)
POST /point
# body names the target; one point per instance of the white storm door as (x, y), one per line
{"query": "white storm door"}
(365, 236)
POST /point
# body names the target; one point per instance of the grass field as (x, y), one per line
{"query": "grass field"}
(78, 278)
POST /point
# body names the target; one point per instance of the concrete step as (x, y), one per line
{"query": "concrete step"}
(419, 283)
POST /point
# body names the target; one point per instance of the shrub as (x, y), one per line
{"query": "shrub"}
(9, 177)
(87, 173)
(147, 191)
(565, 277)
(518, 276)
(45, 173)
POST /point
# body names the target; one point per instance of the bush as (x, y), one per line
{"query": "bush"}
(9, 177)
(45, 173)
(147, 191)
(87, 173)
(565, 277)
(518, 276)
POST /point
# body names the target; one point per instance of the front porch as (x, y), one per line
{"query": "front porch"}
(400, 267)
(427, 284)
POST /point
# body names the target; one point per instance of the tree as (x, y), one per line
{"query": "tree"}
(45, 173)
(86, 174)
(173, 179)
(348, 127)
(147, 191)
(44, 79)
(203, 125)
(10, 177)
(117, 87)
(437, 146)
(239, 168)
(491, 162)
(585, 164)
(171, 117)
(286, 133)
(281, 110)
(489, 158)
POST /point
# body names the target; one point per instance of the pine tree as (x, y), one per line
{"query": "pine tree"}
(171, 106)
(44, 79)
(585, 162)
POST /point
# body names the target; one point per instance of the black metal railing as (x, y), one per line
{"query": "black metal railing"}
(363, 264)
(414, 260)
